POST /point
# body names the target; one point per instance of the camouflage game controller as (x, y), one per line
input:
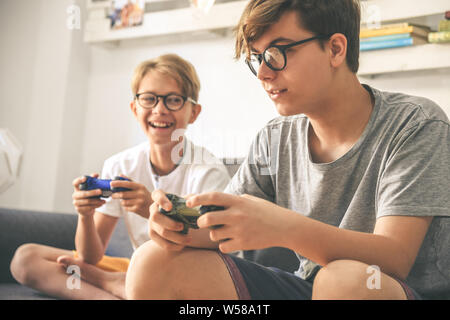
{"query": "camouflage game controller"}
(185, 215)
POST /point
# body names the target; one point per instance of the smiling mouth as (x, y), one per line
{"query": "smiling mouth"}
(276, 93)
(160, 125)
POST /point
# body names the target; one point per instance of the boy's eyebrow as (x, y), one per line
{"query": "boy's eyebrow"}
(275, 41)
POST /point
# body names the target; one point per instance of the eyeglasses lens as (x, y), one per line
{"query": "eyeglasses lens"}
(174, 101)
(274, 58)
(147, 100)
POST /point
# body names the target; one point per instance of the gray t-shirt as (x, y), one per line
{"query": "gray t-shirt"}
(399, 166)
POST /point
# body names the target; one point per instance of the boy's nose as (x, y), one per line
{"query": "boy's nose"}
(264, 72)
(160, 107)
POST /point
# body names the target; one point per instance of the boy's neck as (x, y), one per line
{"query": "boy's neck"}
(340, 121)
(161, 158)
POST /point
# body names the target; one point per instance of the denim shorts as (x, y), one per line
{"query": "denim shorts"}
(256, 282)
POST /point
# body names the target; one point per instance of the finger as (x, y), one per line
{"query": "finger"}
(76, 182)
(220, 234)
(124, 184)
(128, 195)
(163, 243)
(89, 202)
(228, 246)
(212, 198)
(214, 219)
(166, 222)
(160, 198)
(173, 236)
(86, 194)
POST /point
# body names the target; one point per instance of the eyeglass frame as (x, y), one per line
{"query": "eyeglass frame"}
(282, 48)
(164, 97)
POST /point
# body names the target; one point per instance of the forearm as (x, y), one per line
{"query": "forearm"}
(87, 241)
(323, 243)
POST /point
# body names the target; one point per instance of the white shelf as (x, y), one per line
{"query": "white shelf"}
(226, 15)
(419, 57)
(221, 15)
(392, 10)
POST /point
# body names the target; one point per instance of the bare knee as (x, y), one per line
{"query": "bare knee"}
(156, 273)
(22, 262)
(341, 279)
(147, 273)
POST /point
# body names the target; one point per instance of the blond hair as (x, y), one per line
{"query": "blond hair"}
(182, 71)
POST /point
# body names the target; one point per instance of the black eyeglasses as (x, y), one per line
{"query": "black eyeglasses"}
(275, 55)
(172, 101)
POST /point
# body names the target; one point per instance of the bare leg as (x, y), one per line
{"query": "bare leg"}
(113, 282)
(348, 279)
(155, 273)
(35, 266)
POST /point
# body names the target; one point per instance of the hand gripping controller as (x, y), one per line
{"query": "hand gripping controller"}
(185, 215)
(103, 184)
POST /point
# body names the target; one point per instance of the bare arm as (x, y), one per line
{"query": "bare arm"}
(253, 223)
(94, 229)
(393, 246)
(93, 235)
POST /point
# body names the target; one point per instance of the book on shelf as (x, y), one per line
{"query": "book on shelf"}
(444, 25)
(439, 37)
(387, 37)
(447, 15)
(395, 29)
(393, 43)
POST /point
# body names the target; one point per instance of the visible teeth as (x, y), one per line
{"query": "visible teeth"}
(276, 91)
(160, 124)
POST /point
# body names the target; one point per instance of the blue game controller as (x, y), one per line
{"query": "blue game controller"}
(103, 184)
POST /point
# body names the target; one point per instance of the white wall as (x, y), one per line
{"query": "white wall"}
(68, 102)
(44, 72)
(234, 104)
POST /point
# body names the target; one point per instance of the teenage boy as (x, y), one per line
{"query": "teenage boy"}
(353, 179)
(165, 91)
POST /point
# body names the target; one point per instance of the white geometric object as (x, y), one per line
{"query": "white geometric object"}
(10, 158)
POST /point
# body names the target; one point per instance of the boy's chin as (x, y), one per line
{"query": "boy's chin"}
(286, 110)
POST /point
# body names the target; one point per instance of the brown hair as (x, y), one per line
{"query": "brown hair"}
(182, 71)
(322, 17)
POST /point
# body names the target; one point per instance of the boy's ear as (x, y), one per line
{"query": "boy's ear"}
(196, 109)
(133, 107)
(338, 49)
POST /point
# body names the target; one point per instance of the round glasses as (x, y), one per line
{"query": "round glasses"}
(172, 101)
(275, 55)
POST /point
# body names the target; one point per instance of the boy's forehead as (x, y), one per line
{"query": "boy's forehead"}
(286, 29)
(159, 79)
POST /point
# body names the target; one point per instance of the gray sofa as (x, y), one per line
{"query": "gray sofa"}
(18, 227)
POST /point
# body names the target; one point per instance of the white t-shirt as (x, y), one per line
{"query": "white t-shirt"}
(198, 171)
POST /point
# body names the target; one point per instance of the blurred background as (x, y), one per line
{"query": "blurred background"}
(65, 81)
